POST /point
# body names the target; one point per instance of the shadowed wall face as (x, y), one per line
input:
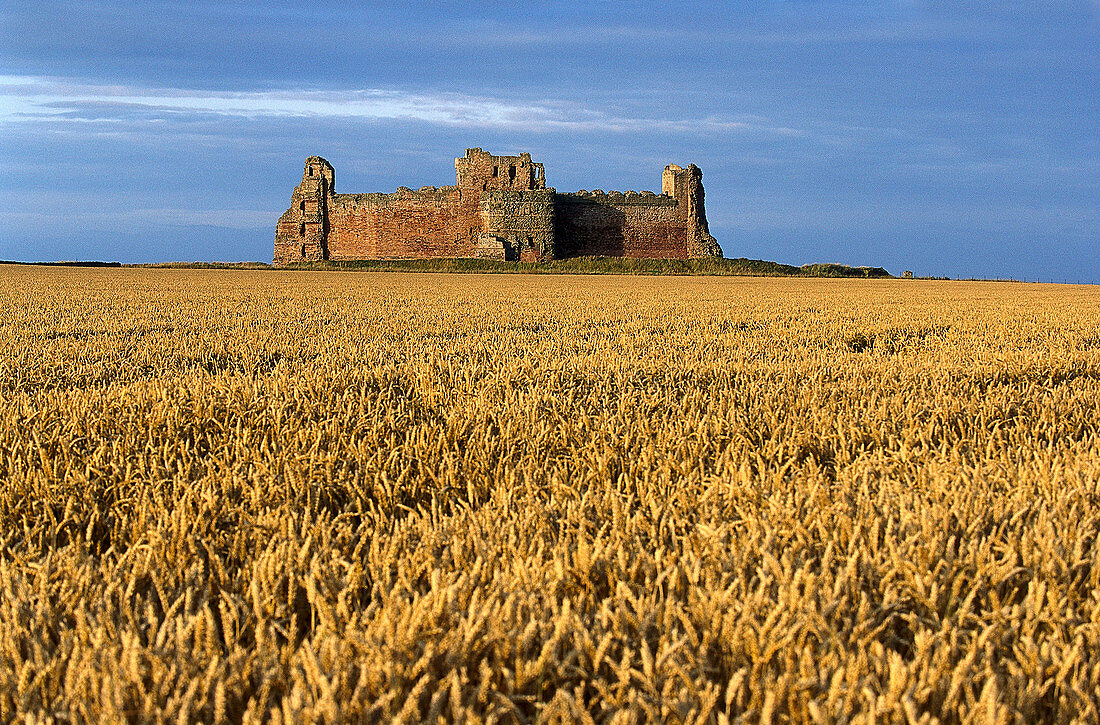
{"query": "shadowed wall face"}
(615, 225)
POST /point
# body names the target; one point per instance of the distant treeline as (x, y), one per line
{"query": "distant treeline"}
(66, 263)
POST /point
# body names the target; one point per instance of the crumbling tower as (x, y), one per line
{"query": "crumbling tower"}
(301, 231)
(516, 207)
(481, 171)
(686, 187)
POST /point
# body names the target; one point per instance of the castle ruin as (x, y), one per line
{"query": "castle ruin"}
(500, 209)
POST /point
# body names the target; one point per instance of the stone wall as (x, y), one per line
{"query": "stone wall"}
(523, 221)
(431, 222)
(501, 208)
(620, 225)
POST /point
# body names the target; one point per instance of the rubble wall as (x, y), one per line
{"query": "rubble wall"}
(523, 221)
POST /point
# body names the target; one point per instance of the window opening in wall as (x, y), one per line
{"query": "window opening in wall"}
(302, 229)
(301, 206)
(495, 171)
(512, 173)
(311, 171)
(303, 251)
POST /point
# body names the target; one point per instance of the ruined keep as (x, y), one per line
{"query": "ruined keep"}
(501, 209)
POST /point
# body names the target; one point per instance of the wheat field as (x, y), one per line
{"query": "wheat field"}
(258, 496)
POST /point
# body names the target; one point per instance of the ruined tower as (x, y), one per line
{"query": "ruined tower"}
(686, 187)
(301, 231)
(481, 171)
(517, 210)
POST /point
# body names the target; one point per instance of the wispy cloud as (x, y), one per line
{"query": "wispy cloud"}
(32, 99)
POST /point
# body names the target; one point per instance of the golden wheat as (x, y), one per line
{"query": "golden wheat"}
(234, 496)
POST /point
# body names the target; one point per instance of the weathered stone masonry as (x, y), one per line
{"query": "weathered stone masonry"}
(500, 208)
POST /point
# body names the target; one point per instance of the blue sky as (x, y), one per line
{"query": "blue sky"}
(954, 139)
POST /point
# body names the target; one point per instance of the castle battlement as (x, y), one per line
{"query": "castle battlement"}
(500, 208)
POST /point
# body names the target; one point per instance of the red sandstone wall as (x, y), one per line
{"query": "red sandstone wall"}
(404, 225)
(601, 226)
